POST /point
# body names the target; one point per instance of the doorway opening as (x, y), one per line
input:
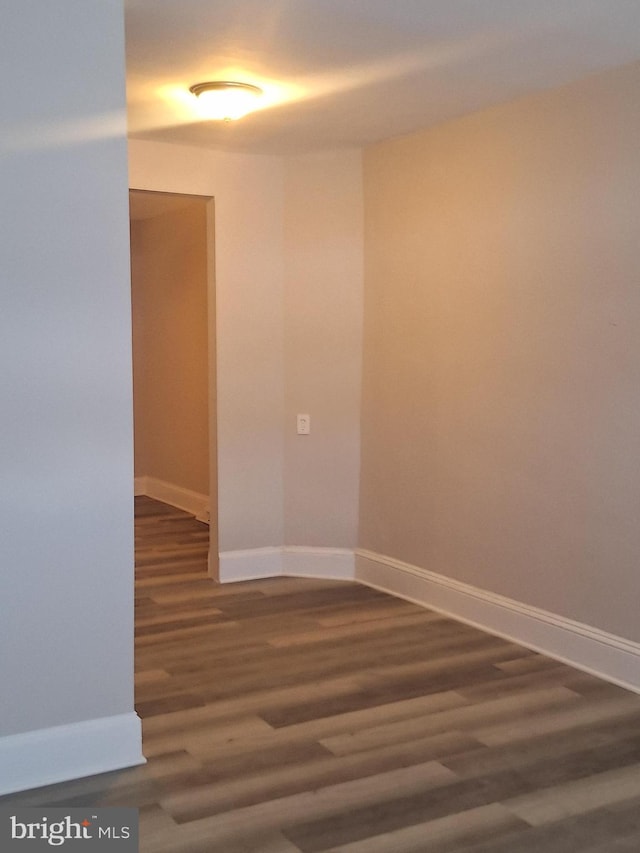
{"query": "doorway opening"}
(174, 370)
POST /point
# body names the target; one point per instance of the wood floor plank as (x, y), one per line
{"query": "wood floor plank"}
(323, 802)
(467, 718)
(322, 635)
(591, 746)
(443, 835)
(207, 737)
(561, 719)
(597, 831)
(311, 774)
(574, 798)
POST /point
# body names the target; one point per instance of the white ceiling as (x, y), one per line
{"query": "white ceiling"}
(341, 73)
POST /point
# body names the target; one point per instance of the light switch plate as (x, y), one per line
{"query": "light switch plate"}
(304, 424)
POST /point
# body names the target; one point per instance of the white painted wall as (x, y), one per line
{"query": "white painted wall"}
(248, 193)
(323, 230)
(66, 509)
(288, 250)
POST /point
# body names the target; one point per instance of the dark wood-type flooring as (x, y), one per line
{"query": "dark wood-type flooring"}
(294, 715)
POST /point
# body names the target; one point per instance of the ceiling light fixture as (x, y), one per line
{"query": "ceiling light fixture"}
(226, 101)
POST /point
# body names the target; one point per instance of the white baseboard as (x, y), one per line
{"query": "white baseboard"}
(291, 560)
(607, 656)
(252, 564)
(194, 502)
(330, 563)
(49, 756)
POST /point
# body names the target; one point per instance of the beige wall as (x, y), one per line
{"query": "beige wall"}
(501, 415)
(170, 347)
(322, 347)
